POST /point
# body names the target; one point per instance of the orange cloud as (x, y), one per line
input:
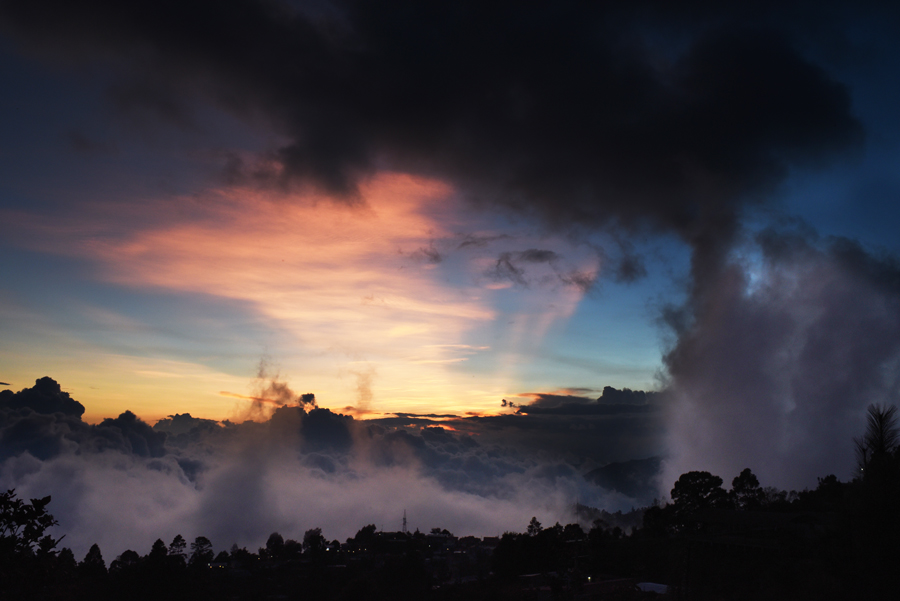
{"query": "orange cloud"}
(358, 290)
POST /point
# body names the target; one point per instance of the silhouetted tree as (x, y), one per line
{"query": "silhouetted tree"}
(365, 537)
(66, 561)
(93, 566)
(201, 552)
(292, 549)
(658, 520)
(573, 532)
(510, 557)
(598, 532)
(774, 498)
(22, 525)
(366, 533)
(877, 500)
(127, 560)
(534, 527)
(27, 554)
(694, 491)
(158, 552)
(876, 449)
(314, 543)
(242, 556)
(177, 555)
(274, 546)
(746, 491)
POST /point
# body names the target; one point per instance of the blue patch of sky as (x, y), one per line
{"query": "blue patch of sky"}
(614, 337)
(859, 196)
(223, 334)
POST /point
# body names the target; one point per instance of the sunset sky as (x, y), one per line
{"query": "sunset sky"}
(425, 209)
(139, 277)
(406, 300)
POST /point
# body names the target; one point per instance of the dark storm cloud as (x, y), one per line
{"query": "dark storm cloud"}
(547, 399)
(45, 422)
(627, 396)
(182, 423)
(611, 402)
(323, 429)
(42, 435)
(582, 430)
(46, 396)
(141, 439)
(627, 113)
(596, 438)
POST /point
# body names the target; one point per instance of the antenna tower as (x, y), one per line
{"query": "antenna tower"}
(405, 531)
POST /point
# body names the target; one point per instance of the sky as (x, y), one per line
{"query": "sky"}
(416, 212)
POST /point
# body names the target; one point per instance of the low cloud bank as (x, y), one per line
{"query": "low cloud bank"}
(123, 484)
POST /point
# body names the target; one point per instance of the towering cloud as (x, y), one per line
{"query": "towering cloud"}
(45, 397)
(45, 422)
(782, 354)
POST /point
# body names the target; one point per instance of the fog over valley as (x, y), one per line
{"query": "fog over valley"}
(122, 483)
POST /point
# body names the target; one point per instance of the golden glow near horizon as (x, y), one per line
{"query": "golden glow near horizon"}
(358, 290)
